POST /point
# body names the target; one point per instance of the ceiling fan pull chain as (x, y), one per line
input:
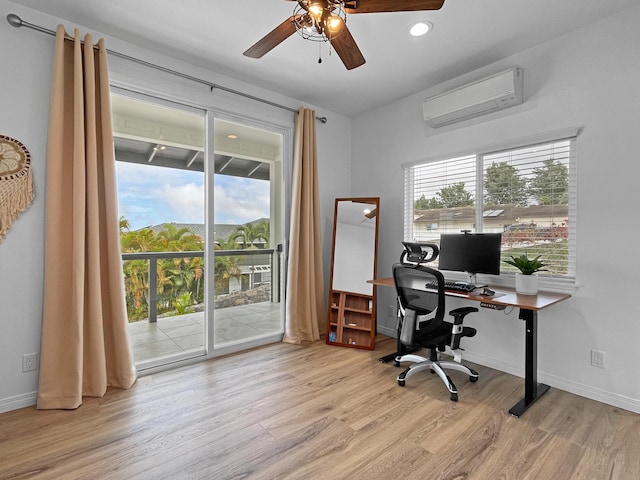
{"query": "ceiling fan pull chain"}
(319, 52)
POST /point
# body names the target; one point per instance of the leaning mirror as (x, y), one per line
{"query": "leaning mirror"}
(352, 299)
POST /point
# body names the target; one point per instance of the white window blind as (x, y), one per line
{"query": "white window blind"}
(526, 193)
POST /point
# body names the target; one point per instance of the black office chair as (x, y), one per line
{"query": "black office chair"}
(421, 301)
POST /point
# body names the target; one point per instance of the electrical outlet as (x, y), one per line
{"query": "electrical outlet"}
(29, 362)
(391, 312)
(597, 358)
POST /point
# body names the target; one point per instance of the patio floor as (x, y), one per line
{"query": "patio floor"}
(184, 333)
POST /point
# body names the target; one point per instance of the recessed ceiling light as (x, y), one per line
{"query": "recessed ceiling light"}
(232, 136)
(421, 28)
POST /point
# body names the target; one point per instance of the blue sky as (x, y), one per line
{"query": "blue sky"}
(149, 195)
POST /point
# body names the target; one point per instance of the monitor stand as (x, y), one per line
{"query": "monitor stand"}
(471, 279)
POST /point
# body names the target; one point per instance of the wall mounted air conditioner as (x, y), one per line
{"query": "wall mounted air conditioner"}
(498, 91)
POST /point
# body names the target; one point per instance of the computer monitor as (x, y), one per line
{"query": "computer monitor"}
(471, 252)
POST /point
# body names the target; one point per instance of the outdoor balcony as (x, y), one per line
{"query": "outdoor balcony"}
(185, 333)
(169, 333)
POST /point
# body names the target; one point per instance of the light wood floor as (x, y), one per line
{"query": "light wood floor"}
(320, 412)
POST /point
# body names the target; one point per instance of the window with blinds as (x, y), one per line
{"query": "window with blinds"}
(526, 193)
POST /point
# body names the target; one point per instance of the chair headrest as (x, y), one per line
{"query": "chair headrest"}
(418, 253)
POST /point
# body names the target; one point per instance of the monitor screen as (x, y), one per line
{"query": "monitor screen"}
(470, 252)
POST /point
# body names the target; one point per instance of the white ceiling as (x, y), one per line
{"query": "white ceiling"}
(467, 35)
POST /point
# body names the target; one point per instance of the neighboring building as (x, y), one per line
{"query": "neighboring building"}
(497, 218)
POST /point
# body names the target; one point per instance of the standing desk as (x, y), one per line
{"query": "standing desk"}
(529, 305)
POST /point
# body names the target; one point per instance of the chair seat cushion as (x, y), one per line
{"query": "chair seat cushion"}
(440, 336)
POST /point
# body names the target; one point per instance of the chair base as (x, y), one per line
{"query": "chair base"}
(436, 367)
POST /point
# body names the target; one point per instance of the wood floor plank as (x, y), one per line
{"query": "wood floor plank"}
(319, 412)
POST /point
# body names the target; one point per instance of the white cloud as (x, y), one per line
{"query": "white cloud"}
(150, 195)
(241, 200)
(184, 203)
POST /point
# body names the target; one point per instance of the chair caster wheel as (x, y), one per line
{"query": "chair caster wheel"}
(396, 363)
(401, 383)
(454, 397)
(473, 379)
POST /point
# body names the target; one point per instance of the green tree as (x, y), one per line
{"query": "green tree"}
(143, 240)
(423, 204)
(176, 276)
(450, 196)
(453, 196)
(124, 225)
(504, 186)
(250, 233)
(174, 239)
(226, 266)
(550, 185)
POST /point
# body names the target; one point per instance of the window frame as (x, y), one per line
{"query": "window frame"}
(559, 282)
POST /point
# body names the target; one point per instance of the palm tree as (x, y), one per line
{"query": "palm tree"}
(143, 240)
(124, 224)
(175, 276)
(226, 266)
(179, 239)
(250, 233)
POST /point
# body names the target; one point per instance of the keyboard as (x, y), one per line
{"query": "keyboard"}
(453, 286)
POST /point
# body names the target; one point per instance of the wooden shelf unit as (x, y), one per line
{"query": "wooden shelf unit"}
(351, 320)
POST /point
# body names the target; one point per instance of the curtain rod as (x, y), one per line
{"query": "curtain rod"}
(15, 21)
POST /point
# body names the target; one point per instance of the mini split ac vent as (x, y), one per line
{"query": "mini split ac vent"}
(495, 92)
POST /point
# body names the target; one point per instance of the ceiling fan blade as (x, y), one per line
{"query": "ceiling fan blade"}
(374, 6)
(372, 213)
(272, 39)
(347, 50)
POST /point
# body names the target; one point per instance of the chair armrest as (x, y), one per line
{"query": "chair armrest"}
(459, 313)
(408, 328)
(457, 329)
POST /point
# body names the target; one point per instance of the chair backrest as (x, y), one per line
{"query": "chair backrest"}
(421, 297)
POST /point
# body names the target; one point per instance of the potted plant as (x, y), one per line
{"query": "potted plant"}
(527, 278)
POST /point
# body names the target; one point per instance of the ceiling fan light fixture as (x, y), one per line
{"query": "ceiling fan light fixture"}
(420, 28)
(319, 21)
(314, 20)
(315, 9)
(334, 24)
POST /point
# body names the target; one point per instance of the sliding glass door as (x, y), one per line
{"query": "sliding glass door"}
(200, 224)
(247, 232)
(161, 198)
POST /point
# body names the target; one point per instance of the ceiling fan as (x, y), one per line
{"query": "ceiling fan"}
(325, 20)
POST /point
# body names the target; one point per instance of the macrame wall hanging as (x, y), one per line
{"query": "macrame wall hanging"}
(16, 182)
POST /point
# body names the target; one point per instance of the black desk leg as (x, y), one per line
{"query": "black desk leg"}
(532, 389)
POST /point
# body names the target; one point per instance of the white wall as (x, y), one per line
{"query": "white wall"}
(590, 79)
(26, 62)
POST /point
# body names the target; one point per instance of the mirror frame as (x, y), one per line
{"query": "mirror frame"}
(368, 342)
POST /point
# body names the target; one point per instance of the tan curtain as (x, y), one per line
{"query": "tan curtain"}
(85, 344)
(305, 309)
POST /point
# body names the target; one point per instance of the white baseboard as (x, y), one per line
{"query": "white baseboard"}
(19, 401)
(587, 391)
(564, 384)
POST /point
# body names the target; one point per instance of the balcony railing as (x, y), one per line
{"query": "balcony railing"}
(246, 269)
